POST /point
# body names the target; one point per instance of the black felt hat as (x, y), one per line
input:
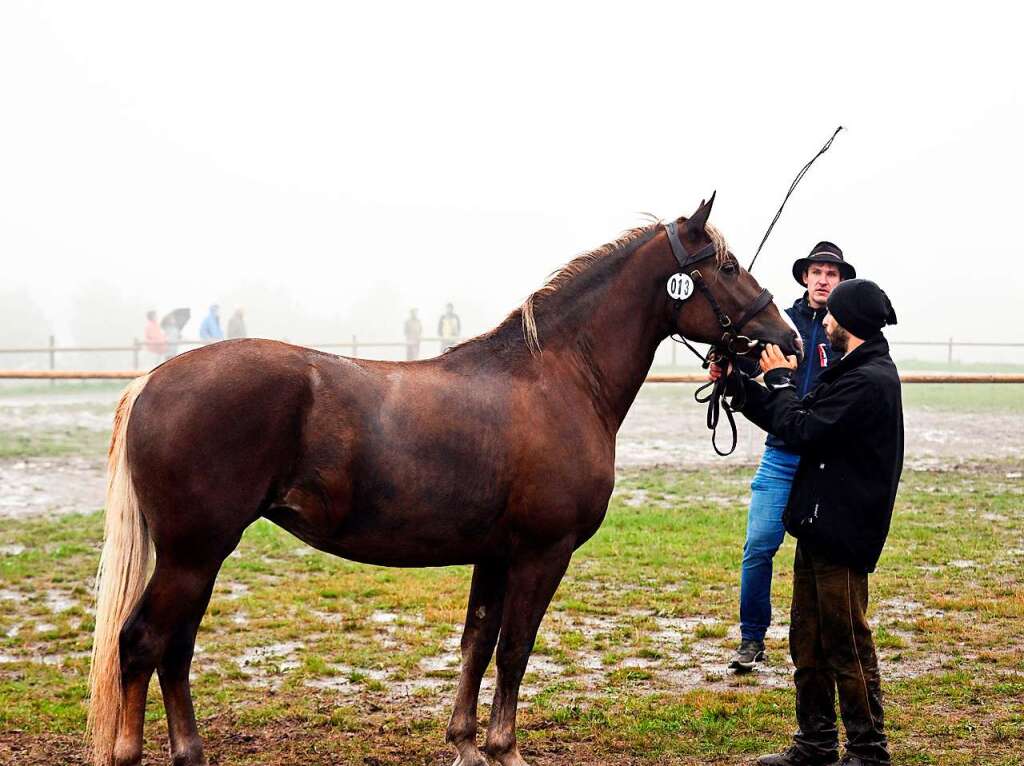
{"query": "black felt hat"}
(823, 252)
(861, 307)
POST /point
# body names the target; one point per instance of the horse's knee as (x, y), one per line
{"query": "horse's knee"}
(461, 727)
(512, 660)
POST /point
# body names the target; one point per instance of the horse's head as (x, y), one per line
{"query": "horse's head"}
(718, 301)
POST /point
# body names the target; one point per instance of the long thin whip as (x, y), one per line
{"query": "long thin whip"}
(792, 187)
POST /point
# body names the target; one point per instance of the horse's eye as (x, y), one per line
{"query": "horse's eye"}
(729, 268)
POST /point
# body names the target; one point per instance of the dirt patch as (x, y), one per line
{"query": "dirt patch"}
(51, 485)
(287, 743)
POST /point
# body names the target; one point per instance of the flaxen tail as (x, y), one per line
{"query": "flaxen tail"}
(120, 582)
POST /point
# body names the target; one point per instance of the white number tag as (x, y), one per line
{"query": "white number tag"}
(680, 286)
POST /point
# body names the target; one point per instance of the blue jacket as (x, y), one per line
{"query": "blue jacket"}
(817, 354)
(210, 329)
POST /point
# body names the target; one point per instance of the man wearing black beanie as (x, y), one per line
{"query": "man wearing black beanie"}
(849, 432)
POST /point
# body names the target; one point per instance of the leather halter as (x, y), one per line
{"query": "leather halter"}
(730, 343)
(731, 338)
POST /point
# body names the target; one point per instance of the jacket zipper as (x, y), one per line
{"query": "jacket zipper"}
(810, 350)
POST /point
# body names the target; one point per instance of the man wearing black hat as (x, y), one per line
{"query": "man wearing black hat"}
(849, 431)
(819, 272)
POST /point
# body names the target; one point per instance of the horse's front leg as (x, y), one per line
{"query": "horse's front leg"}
(532, 580)
(483, 619)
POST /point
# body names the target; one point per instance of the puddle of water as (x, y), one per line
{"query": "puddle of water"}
(636, 499)
(334, 684)
(895, 608)
(235, 591)
(57, 602)
(446, 661)
(250, 659)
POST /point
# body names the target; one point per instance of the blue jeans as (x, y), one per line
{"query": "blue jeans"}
(769, 493)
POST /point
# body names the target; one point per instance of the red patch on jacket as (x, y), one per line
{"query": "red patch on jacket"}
(822, 356)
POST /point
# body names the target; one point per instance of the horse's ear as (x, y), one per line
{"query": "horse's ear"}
(695, 223)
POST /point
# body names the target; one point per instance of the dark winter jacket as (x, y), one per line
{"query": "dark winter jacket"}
(849, 433)
(817, 355)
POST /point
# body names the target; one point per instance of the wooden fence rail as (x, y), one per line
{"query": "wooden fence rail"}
(137, 346)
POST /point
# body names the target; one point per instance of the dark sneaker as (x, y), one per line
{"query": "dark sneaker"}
(750, 654)
(797, 757)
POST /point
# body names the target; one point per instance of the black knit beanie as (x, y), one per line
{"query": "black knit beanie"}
(861, 307)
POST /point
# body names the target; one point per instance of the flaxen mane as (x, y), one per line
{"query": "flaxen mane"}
(585, 261)
(626, 242)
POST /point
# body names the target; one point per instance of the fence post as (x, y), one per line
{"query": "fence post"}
(135, 353)
(53, 357)
(355, 345)
(949, 356)
(673, 353)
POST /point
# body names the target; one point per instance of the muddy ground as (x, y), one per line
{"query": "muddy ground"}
(681, 653)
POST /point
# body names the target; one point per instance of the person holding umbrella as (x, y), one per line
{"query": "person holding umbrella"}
(172, 325)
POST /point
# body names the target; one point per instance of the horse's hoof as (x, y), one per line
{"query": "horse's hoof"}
(477, 760)
(510, 758)
(469, 755)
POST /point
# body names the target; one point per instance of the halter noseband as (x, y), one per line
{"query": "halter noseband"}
(730, 343)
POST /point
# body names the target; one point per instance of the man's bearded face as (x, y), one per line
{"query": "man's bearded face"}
(837, 335)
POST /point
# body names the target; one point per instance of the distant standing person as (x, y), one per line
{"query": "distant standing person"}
(155, 340)
(209, 330)
(413, 333)
(449, 328)
(236, 324)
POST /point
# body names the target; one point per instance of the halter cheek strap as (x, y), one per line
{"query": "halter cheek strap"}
(731, 343)
(731, 338)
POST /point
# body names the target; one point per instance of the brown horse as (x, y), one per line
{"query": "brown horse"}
(499, 453)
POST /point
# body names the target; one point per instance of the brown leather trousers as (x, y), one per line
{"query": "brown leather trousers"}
(830, 641)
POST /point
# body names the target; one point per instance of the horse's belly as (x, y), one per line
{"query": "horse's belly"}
(395, 539)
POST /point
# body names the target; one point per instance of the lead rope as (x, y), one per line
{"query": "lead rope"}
(715, 398)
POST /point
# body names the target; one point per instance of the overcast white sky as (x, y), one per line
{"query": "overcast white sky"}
(358, 159)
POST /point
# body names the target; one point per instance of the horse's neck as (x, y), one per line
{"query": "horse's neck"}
(613, 348)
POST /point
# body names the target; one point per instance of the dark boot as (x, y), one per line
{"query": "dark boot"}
(797, 757)
(853, 760)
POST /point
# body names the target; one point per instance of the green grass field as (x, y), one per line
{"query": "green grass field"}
(306, 658)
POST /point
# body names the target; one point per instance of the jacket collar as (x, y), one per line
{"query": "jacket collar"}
(802, 306)
(873, 348)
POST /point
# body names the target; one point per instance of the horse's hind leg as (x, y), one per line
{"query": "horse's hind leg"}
(483, 619)
(161, 635)
(532, 580)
